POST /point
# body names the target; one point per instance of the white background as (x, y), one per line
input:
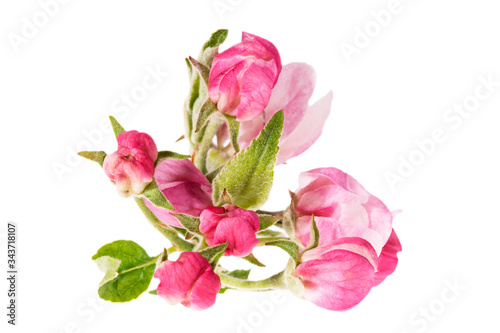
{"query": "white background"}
(65, 78)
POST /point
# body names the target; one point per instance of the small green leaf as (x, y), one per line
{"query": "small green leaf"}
(267, 221)
(153, 292)
(128, 270)
(290, 247)
(117, 128)
(239, 274)
(165, 154)
(153, 194)
(207, 109)
(314, 239)
(251, 259)
(234, 131)
(248, 177)
(191, 223)
(214, 253)
(270, 233)
(216, 39)
(211, 175)
(96, 156)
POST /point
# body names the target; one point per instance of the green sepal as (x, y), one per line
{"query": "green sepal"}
(270, 233)
(153, 194)
(165, 154)
(211, 175)
(290, 247)
(211, 46)
(96, 156)
(251, 259)
(206, 110)
(117, 128)
(239, 274)
(191, 223)
(267, 221)
(203, 70)
(314, 239)
(214, 253)
(248, 177)
(153, 292)
(234, 131)
(292, 282)
(128, 270)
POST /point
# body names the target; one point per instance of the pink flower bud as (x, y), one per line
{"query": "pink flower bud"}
(230, 224)
(241, 77)
(190, 281)
(388, 260)
(131, 167)
(184, 186)
(341, 208)
(339, 275)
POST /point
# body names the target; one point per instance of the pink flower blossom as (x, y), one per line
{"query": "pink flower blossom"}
(190, 281)
(303, 122)
(341, 208)
(131, 167)
(388, 260)
(241, 77)
(339, 275)
(184, 186)
(230, 224)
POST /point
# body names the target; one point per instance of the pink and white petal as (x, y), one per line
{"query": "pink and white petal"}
(388, 259)
(307, 131)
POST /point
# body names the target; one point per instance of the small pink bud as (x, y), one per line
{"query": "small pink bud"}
(131, 167)
(190, 281)
(242, 77)
(230, 224)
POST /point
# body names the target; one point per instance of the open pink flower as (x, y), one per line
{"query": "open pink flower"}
(190, 281)
(341, 208)
(241, 77)
(184, 186)
(230, 224)
(303, 122)
(339, 275)
(131, 167)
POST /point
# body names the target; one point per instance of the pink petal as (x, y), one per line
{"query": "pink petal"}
(388, 259)
(204, 290)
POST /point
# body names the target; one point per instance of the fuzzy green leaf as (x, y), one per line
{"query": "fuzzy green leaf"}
(251, 259)
(211, 47)
(117, 128)
(214, 253)
(165, 154)
(96, 156)
(234, 131)
(206, 110)
(314, 239)
(239, 274)
(203, 70)
(267, 221)
(153, 194)
(248, 177)
(290, 247)
(191, 223)
(128, 270)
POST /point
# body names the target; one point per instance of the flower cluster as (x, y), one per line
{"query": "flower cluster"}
(245, 114)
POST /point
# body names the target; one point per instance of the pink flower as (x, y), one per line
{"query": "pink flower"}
(131, 167)
(230, 224)
(241, 78)
(184, 186)
(341, 208)
(388, 260)
(190, 280)
(339, 275)
(303, 122)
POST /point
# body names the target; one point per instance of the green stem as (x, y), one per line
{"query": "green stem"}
(201, 151)
(278, 213)
(276, 281)
(166, 231)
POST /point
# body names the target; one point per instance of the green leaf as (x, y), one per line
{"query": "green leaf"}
(203, 70)
(128, 270)
(251, 259)
(234, 131)
(153, 194)
(270, 233)
(191, 223)
(214, 253)
(290, 247)
(165, 154)
(314, 239)
(267, 221)
(239, 274)
(211, 47)
(153, 292)
(117, 128)
(248, 177)
(207, 109)
(96, 156)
